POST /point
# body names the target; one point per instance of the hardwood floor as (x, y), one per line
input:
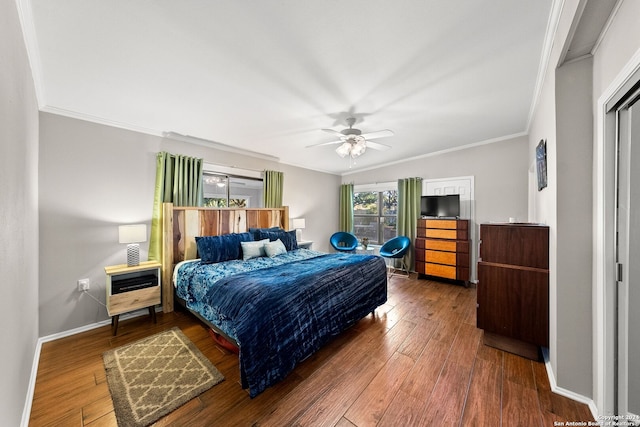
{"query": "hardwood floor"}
(420, 361)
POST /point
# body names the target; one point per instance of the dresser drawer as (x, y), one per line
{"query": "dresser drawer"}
(440, 245)
(441, 223)
(436, 233)
(438, 257)
(461, 246)
(446, 271)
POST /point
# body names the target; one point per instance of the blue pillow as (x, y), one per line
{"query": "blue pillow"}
(256, 231)
(221, 248)
(287, 237)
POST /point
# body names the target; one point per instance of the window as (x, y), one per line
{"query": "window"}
(227, 191)
(375, 214)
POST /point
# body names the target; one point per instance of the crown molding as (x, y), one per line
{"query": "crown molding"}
(99, 120)
(25, 14)
(218, 146)
(607, 25)
(545, 58)
(439, 153)
(163, 134)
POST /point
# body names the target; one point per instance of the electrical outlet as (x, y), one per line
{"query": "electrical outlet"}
(83, 285)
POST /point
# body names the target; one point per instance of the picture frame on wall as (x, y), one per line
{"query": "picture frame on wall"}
(541, 164)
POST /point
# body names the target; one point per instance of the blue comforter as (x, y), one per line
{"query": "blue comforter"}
(281, 314)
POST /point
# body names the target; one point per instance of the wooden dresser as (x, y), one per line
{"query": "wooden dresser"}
(513, 287)
(443, 248)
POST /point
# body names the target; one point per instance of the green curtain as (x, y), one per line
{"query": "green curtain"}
(409, 192)
(346, 208)
(273, 185)
(179, 181)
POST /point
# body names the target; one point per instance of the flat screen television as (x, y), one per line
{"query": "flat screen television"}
(447, 206)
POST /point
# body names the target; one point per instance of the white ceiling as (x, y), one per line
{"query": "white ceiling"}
(267, 75)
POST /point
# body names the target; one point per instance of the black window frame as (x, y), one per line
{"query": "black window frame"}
(382, 219)
(228, 180)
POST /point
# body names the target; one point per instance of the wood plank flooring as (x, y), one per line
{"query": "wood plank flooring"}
(419, 361)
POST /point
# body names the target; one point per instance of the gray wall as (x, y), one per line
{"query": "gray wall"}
(95, 177)
(18, 216)
(574, 160)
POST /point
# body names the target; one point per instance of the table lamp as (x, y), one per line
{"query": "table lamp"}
(298, 225)
(132, 235)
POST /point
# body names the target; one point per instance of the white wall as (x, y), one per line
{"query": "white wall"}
(95, 177)
(18, 217)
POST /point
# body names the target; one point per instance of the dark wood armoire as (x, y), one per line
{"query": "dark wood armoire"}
(513, 287)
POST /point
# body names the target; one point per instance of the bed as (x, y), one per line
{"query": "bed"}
(278, 310)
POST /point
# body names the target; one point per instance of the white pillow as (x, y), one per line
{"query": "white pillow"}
(275, 248)
(253, 249)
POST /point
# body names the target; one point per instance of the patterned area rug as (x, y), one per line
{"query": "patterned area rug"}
(154, 376)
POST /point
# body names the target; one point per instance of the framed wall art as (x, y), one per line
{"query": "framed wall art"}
(541, 164)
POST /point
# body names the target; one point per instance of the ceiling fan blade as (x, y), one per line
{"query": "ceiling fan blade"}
(325, 143)
(378, 134)
(337, 132)
(378, 146)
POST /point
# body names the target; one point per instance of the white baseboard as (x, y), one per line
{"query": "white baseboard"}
(564, 392)
(26, 412)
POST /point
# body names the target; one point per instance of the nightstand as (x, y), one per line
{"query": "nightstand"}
(132, 288)
(305, 244)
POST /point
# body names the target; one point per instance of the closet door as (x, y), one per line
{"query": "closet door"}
(628, 258)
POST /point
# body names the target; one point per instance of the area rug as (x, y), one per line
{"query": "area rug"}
(154, 376)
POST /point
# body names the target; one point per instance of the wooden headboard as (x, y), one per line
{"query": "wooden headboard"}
(180, 226)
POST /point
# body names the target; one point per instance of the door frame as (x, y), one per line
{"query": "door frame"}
(604, 214)
(472, 216)
(628, 130)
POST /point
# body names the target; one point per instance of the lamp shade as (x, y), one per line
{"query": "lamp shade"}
(344, 149)
(297, 223)
(358, 148)
(132, 233)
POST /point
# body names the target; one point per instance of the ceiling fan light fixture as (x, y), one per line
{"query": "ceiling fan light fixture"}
(353, 143)
(358, 148)
(344, 149)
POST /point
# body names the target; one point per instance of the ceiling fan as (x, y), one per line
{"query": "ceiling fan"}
(353, 142)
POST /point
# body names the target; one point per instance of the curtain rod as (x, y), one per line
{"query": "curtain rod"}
(217, 145)
(232, 170)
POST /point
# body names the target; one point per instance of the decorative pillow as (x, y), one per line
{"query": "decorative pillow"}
(287, 237)
(256, 231)
(253, 249)
(275, 248)
(221, 248)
